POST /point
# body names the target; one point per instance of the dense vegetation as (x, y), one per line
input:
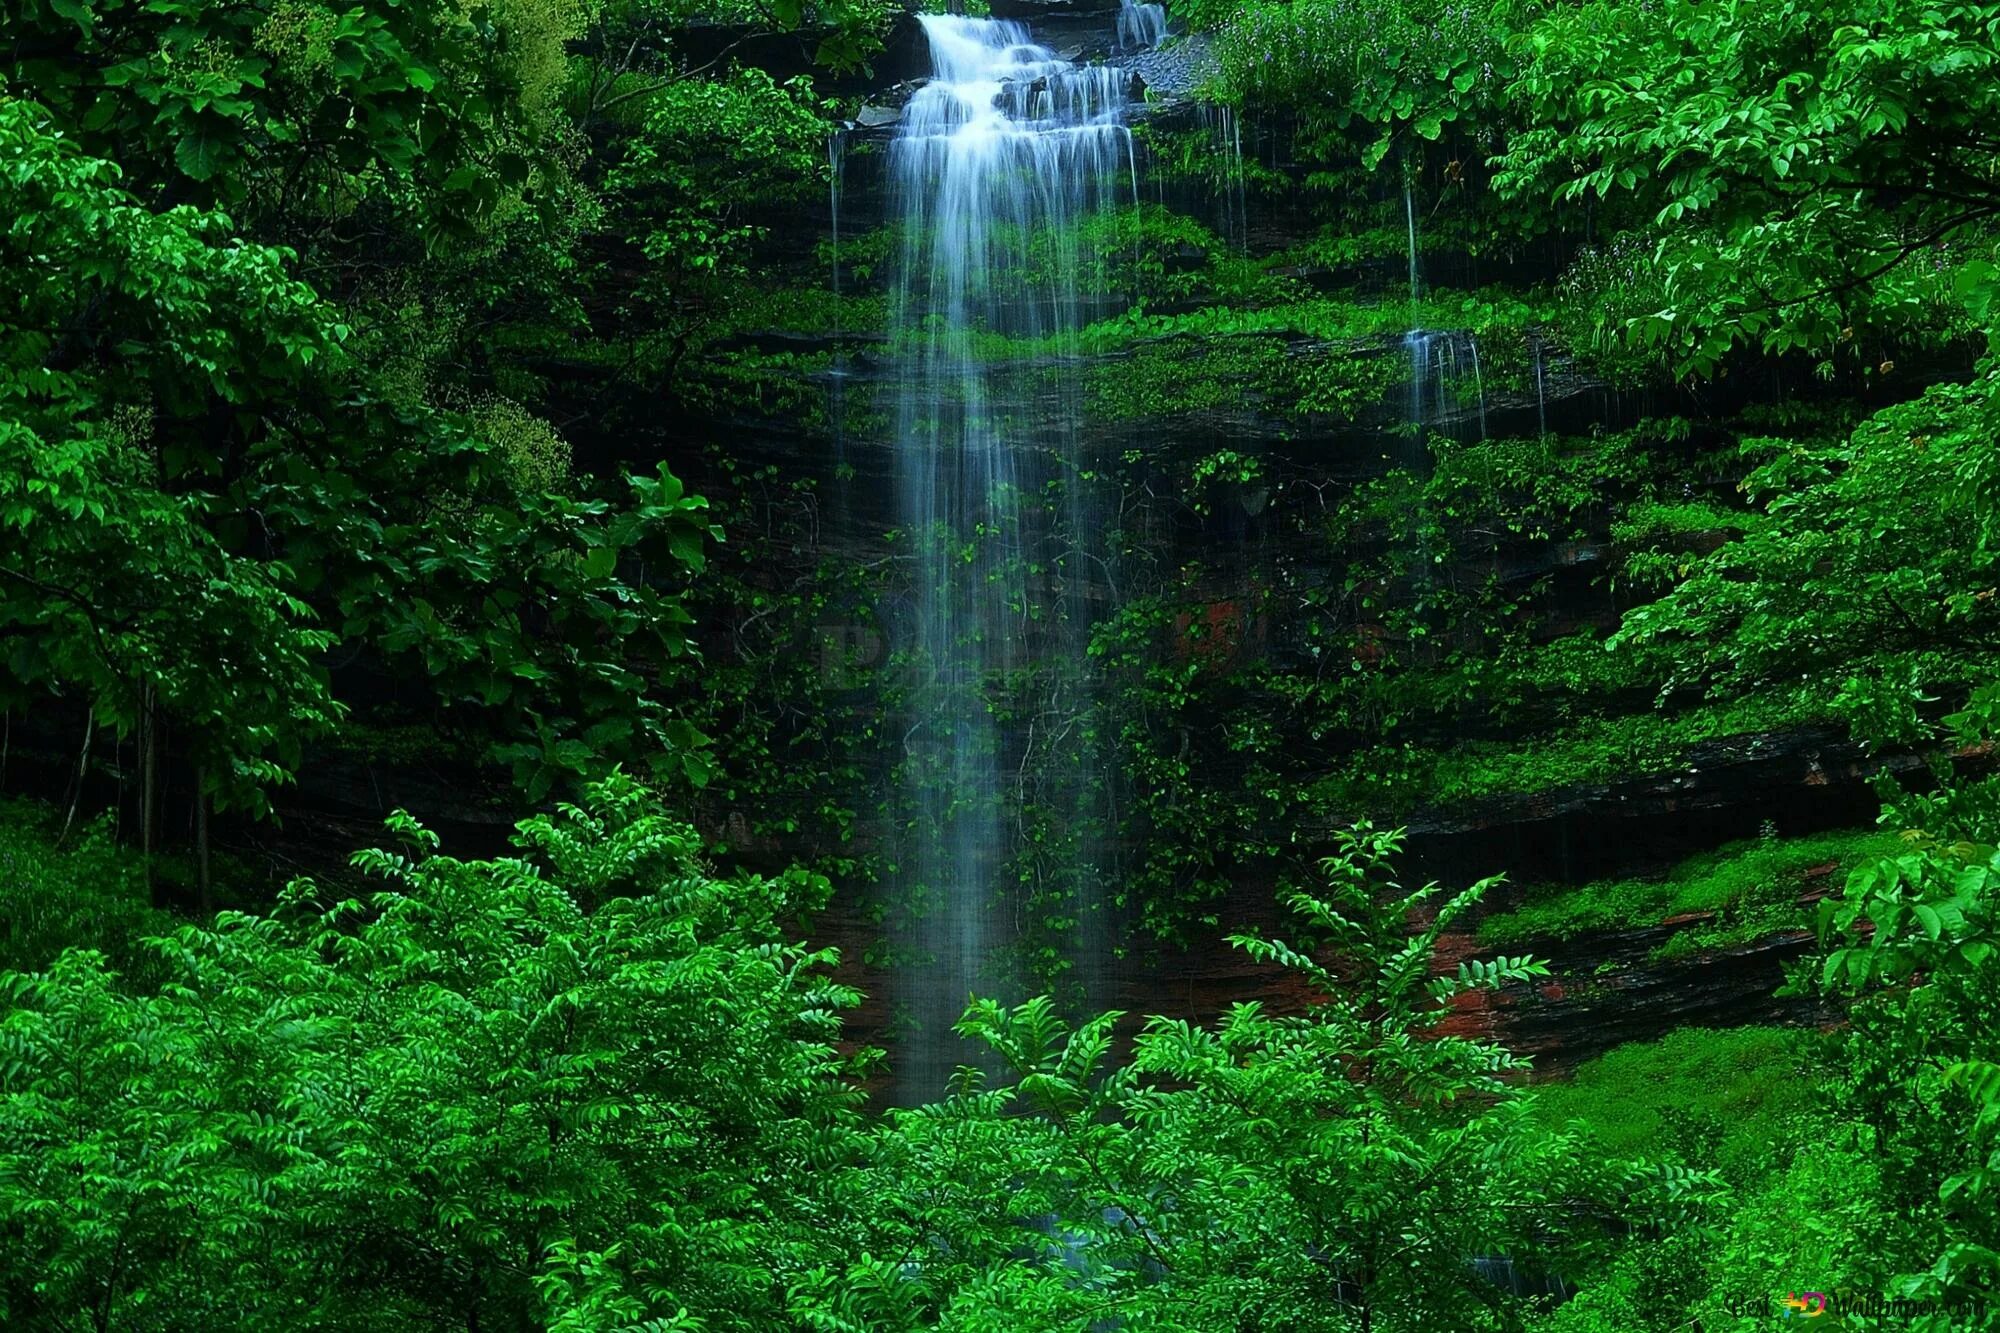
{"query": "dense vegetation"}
(449, 396)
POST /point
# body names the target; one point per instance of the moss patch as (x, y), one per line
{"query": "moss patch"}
(1742, 882)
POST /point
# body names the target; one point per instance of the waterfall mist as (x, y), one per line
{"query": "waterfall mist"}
(1000, 166)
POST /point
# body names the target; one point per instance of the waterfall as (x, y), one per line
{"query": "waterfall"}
(1140, 27)
(1478, 382)
(1416, 343)
(1224, 130)
(1417, 346)
(997, 163)
(836, 406)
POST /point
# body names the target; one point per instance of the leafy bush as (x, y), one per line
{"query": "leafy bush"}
(1334, 1169)
(1379, 72)
(582, 1087)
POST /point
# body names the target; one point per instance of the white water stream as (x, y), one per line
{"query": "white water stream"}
(999, 166)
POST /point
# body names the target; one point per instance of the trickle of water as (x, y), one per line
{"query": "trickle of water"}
(1238, 204)
(1140, 27)
(1224, 131)
(1417, 345)
(1478, 382)
(836, 161)
(836, 169)
(997, 162)
(1541, 395)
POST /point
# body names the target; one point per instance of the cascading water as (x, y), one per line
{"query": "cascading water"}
(997, 163)
(1224, 129)
(1140, 27)
(1478, 382)
(836, 161)
(1416, 343)
(1434, 356)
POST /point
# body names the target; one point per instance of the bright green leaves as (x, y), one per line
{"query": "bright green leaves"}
(1792, 208)
(708, 147)
(585, 1087)
(272, 106)
(1916, 944)
(199, 154)
(1378, 73)
(1867, 578)
(117, 588)
(1221, 1177)
(210, 494)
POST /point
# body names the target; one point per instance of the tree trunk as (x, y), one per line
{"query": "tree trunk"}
(201, 843)
(82, 770)
(148, 789)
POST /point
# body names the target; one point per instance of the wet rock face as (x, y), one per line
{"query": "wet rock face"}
(1607, 988)
(1176, 72)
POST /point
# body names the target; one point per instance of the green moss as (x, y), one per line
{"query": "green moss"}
(1653, 521)
(413, 743)
(1807, 1207)
(1350, 317)
(1723, 1098)
(811, 310)
(1178, 378)
(1391, 780)
(1336, 317)
(1754, 883)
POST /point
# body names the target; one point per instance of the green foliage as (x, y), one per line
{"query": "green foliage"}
(337, 435)
(1923, 1055)
(1741, 1100)
(1387, 76)
(1738, 879)
(293, 108)
(679, 198)
(1804, 168)
(123, 326)
(584, 1082)
(1862, 576)
(206, 495)
(1816, 1222)
(68, 888)
(1323, 1170)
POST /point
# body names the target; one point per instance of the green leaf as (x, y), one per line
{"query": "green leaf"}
(200, 155)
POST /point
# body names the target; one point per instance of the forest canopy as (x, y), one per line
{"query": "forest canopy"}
(458, 859)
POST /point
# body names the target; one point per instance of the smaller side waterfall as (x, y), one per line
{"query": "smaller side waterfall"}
(836, 406)
(1478, 382)
(1439, 363)
(1541, 394)
(1224, 129)
(1141, 27)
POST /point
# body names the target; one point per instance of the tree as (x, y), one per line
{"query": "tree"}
(303, 116)
(211, 491)
(1914, 940)
(1867, 578)
(118, 321)
(585, 1086)
(1811, 181)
